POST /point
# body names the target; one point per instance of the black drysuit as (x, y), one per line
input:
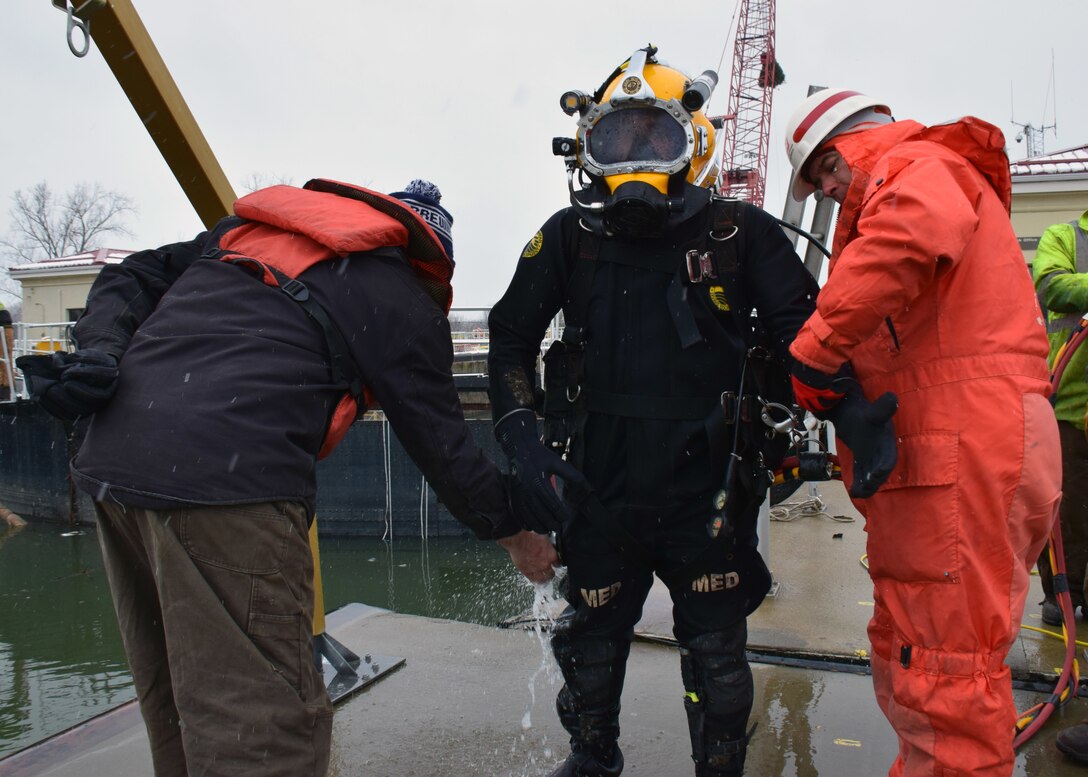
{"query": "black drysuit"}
(660, 350)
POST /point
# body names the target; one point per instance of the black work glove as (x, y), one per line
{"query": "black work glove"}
(818, 392)
(71, 385)
(866, 428)
(532, 493)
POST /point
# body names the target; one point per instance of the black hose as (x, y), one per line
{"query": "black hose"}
(806, 235)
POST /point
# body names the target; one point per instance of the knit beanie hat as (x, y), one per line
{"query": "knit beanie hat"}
(423, 197)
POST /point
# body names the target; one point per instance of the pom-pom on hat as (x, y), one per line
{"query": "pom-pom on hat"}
(423, 197)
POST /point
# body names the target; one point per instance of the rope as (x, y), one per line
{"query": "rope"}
(791, 511)
(387, 465)
(424, 510)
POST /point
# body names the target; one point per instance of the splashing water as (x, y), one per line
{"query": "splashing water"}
(547, 604)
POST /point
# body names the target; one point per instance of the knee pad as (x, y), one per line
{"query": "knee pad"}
(593, 674)
(593, 669)
(718, 699)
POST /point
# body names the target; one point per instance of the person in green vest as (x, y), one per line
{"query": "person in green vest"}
(1060, 270)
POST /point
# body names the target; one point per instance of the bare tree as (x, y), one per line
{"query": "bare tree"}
(255, 181)
(44, 226)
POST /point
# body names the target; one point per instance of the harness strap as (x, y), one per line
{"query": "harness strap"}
(587, 247)
(343, 366)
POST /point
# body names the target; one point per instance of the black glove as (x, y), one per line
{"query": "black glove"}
(533, 466)
(866, 428)
(818, 392)
(71, 385)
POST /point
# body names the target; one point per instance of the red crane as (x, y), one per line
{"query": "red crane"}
(746, 124)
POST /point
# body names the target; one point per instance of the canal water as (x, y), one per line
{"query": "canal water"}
(61, 660)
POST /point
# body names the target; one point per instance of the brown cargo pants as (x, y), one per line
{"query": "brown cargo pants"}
(215, 606)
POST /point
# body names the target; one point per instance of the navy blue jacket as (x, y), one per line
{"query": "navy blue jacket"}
(225, 389)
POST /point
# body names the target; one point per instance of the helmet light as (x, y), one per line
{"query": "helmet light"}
(698, 91)
(574, 102)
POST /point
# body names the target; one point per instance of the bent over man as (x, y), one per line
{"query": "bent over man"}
(244, 355)
(657, 279)
(928, 306)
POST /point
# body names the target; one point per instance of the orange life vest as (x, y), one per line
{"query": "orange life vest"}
(281, 231)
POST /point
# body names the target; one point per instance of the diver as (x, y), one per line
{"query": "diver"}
(652, 402)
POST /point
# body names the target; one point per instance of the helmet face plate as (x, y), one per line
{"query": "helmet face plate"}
(643, 138)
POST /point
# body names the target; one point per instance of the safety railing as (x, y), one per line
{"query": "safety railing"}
(470, 334)
(472, 339)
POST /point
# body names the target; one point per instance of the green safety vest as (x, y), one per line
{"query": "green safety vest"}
(1052, 263)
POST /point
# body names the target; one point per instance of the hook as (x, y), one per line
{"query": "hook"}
(784, 426)
(721, 237)
(75, 23)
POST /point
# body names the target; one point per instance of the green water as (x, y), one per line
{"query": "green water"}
(61, 660)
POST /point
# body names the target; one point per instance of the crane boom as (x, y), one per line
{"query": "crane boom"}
(126, 46)
(747, 121)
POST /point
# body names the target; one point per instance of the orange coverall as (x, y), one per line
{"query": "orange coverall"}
(929, 297)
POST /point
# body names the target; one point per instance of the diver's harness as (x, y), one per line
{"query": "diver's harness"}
(757, 419)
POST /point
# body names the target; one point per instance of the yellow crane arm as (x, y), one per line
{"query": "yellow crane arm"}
(120, 35)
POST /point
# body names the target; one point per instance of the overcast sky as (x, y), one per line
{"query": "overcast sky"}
(466, 94)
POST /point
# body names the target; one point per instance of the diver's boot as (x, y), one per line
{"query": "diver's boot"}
(1073, 741)
(582, 763)
(1051, 613)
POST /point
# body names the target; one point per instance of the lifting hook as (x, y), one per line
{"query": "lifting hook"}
(76, 23)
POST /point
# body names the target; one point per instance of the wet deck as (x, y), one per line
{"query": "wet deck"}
(475, 700)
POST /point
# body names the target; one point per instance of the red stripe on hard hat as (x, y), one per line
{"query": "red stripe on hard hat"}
(819, 111)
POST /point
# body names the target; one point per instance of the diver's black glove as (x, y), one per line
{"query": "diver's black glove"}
(532, 493)
(71, 385)
(866, 428)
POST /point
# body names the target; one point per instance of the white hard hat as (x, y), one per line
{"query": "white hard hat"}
(823, 115)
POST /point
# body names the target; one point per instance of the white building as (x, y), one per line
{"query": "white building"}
(1047, 189)
(55, 290)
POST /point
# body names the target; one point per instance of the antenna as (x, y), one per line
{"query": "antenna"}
(1036, 136)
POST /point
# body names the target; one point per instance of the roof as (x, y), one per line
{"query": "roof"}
(1070, 160)
(98, 256)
